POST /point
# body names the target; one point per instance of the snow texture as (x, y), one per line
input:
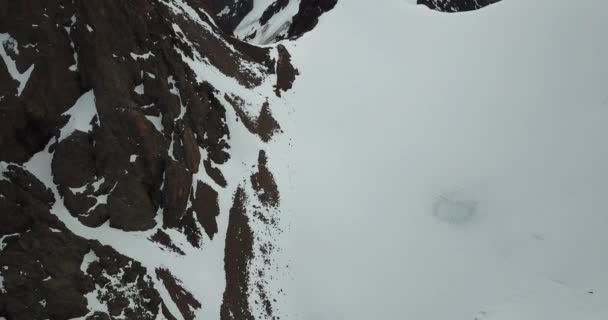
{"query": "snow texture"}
(400, 105)
(81, 115)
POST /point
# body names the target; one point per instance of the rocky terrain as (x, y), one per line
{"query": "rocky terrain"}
(134, 136)
(456, 5)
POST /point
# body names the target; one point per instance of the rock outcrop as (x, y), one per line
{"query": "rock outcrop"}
(456, 5)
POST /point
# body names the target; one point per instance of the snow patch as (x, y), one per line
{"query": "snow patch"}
(157, 122)
(11, 66)
(141, 56)
(139, 89)
(81, 115)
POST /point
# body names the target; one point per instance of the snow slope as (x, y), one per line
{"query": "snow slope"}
(504, 108)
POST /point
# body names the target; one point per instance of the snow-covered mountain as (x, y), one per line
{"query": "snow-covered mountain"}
(303, 159)
(139, 171)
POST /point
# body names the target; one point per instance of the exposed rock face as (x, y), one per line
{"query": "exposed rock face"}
(286, 72)
(308, 16)
(456, 5)
(115, 127)
(239, 252)
(277, 21)
(229, 13)
(48, 272)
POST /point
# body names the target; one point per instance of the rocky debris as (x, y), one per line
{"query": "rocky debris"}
(184, 300)
(164, 239)
(237, 257)
(264, 126)
(456, 5)
(205, 206)
(286, 73)
(263, 183)
(122, 284)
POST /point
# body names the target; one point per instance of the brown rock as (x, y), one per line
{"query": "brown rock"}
(206, 207)
(177, 188)
(214, 173)
(264, 184)
(286, 72)
(164, 239)
(129, 206)
(184, 300)
(237, 256)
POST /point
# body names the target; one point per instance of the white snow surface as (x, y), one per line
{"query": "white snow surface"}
(81, 115)
(400, 105)
(11, 66)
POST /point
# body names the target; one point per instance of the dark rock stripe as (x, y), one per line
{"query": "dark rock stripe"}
(237, 257)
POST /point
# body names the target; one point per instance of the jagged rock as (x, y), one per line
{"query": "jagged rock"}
(456, 5)
(308, 16)
(286, 73)
(153, 116)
